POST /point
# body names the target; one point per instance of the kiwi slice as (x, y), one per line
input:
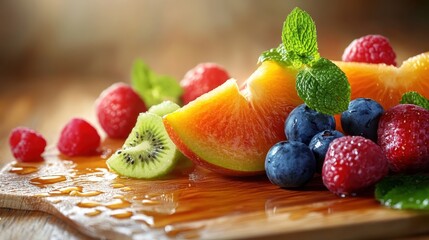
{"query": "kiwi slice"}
(164, 108)
(148, 152)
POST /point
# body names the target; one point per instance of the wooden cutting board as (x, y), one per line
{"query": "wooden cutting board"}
(193, 203)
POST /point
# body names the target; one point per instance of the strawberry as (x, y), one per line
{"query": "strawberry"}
(403, 134)
(78, 138)
(118, 108)
(26, 144)
(352, 164)
(201, 79)
(370, 49)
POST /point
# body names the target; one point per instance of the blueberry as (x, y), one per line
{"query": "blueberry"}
(303, 123)
(319, 145)
(361, 118)
(290, 164)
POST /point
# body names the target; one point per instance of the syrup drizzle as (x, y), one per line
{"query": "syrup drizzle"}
(51, 179)
(93, 213)
(122, 214)
(23, 170)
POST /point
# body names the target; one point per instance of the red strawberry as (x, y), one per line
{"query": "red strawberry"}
(118, 108)
(78, 138)
(352, 164)
(26, 144)
(370, 49)
(403, 134)
(201, 79)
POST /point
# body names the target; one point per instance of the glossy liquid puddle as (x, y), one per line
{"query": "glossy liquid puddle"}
(175, 204)
(51, 179)
(23, 169)
(115, 204)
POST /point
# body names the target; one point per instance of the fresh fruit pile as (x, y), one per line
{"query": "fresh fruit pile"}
(376, 140)
(281, 122)
(120, 113)
(147, 152)
(229, 130)
(354, 162)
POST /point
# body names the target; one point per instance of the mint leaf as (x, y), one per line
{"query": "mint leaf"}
(320, 83)
(404, 192)
(416, 99)
(324, 87)
(153, 88)
(275, 54)
(299, 38)
(299, 41)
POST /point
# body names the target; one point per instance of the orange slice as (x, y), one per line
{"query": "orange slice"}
(229, 130)
(385, 83)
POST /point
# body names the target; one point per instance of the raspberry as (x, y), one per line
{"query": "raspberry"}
(370, 49)
(26, 144)
(403, 134)
(117, 110)
(201, 79)
(78, 138)
(352, 164)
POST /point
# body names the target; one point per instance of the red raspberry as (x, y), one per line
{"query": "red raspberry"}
(78, 138)
(352, 164)
(118, 108)
(403, 134)
(26, 144)
(370, 49)
(201, 79)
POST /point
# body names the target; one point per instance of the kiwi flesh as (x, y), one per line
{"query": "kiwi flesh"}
(164, 108)
(148, 152)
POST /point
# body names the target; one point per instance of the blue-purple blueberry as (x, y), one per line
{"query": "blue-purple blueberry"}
(361, 118)
(319, 145)
(303, 123)
(290, 164)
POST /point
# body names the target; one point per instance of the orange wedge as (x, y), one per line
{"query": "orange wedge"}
(229, 130)
(385, 83)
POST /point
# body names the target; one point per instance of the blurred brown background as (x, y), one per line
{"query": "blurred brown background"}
(102, 37)
(56, 56)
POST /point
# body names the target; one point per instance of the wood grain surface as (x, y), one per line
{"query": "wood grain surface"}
(192, 203)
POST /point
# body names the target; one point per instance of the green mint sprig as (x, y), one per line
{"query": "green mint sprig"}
(320, 83)
(324, 87)
(404, 192)
(275, 54)
(416, 99)
(299, 38)
(154, 88)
